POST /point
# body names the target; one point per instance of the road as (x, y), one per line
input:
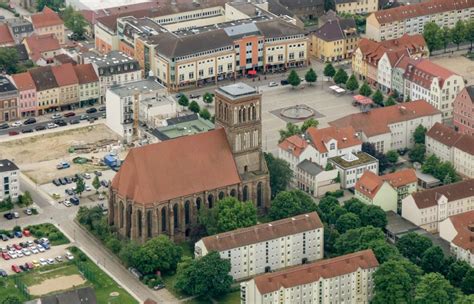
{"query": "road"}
(63, 218)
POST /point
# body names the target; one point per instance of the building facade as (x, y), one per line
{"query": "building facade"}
(352, 166)
(356, 6)
(27, 103)
(48, 22)
(9, 180)
(314, 180)
(20, 29)
(47, 89)
(458, 230)
(404, 181)
(267, 247)
(371, 189)
(68, 85)
(463, 111)
(8, 100)
(89, 87)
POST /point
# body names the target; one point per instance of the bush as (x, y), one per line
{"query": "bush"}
(16, 228)
(114, 245)
(337, 193)
(50, 231)
(34, 211)
(81, 256)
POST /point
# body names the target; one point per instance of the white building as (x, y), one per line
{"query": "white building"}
(313, 179)
(344, 279)
(9, 180)
(458, 230)
(95, 5)
(352, 166)
(144, 101)
(385, 66)
(295, 149)
(391, 128)
(267, 247)
(428, 208)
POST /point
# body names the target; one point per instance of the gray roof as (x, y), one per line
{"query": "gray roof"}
(334, 29)
(275, 7)
(6, 86)
(84, 295)
(470, 91)
(20, 26)
(7, 165)
(44, 78)
(309, 167)
(141, 86)
(237, 90)
(242, 30)
(111, 58)
(277, 28)
(301, 4)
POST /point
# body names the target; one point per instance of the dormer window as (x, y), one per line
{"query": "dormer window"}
(332, 146)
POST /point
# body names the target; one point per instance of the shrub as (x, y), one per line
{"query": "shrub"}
(337, 193)
(16, 228)
(114, 245)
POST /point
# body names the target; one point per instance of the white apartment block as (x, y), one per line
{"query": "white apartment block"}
(411, 19)
(428, 208)
(344, 279)
(268, 247)
(458, 230)
(9, 180)
(352, 166)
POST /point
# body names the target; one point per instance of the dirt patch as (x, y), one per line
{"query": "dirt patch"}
(56, 284)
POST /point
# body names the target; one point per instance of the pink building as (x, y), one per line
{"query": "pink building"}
(28, 105)
(463, 111)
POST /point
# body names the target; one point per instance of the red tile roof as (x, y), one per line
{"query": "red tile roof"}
(464, 225)
(263, 232)
(65, 74)
(423, 71)
(376, 121)
(177, 167)
(369, 184)
(6, 37)
(85, 73)
(295, 144)
(400, 178)
(451, 138)
(47, 17)
(309, 273)
(345, 137)
(38, 44)
(453, 192)
(24, 81)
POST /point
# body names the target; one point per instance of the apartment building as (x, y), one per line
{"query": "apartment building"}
(352, 166)
(391, 128)
(42, 48)
(47, 89)
(371, 189)
(404, 181)
(89, 88)
(453, 147)
(68, 85)
(428, 208)
(336, 40)
(20, 29)
(27, 103)
(356, 6)
(314, 179)
(48, 22)
(8, 100)
(463, 111)
(295, 149)
(458, 230)
(268, 247)
(411, 19)
(9, 180)
(344, 279)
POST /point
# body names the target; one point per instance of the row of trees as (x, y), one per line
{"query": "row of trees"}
(294, 79)
(438, 38)
(24, 200)
(194, 107)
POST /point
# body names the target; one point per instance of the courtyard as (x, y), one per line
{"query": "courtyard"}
(458, 64)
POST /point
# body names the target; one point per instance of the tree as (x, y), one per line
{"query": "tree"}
(434, 288)
(432, 35)
(354, 205)
(293, 79)
(183, 100)
(11, 300)
(417, 154)
(392, 156)
(310, 76)
(330, 237)
(159, 253)
(80, 186)
(8, 60)
(340, 76)
(372, 215)
(419, 134)
(326, 206)
(309, 123)
(329, 70)
(395, 94)
(194, 107)
(432, 259)
(470, 31)
(378, 98)
(75, 22)
(431, 164)
(365, 90)
(26, 199)
(467, 284)
(291, 129)
(457, 271)
(290, 203)
(370, 149)
(329, 5)
(356, 239)
(395, 282)
(352, 83)
(96, 184)
(412, 246)
(208, 98)
(383, 251)
(329, 167)
(347, 221)
(446, 37)
(207, 276)
(446, 172)
(390, 102)
(55, 5)
(459, 33)
(280, 173)
(204, 113)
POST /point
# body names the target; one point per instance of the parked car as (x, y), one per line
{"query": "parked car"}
(284, 82)
(3, 273)
(62, 181)
(16, 124)
(69, 114)
(56, 116)
(68, 180)
(5, 256)
(4, 126)
(18, 234)
(28, 212)
(17, 246)
(194, 96)
(69, 256)
(29, 265)
(23, 268)
(86, 176)
(50, 261)
(46, 246)
(16, 269)
(74, 201)
(4, 237)
(40, 128)
(8, 215)
(13, 133)
(40, 248)
(102, 109)
(16, 215)
(69, 192)
(56, 182)
(60, 122)
(35, 263)
(30, 121)
(11, 235)
(59, 258)
(135, 272)
(273, 84)
(104, 183)
(88, 188)
(74, 121)
(159, 286)
(98, 173)
(34, 250)
(27, 131)
(84, 117)
(51, 125)
(91, 110)
(43, 262)
(67, 203)
(63, 165)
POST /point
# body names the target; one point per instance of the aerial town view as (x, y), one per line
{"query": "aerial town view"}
(237, 151)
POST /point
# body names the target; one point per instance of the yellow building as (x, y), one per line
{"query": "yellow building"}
(46, 87)
(68, 85)
(336, 40)
(356, 6)
(48, 22)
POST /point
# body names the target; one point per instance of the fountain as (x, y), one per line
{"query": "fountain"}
(298, 112)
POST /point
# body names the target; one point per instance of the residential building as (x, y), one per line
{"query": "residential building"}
(27, 102)
(20, 29)
(463, 111)
(125, 103)
(8, 100)
(354, 7)
(47, 89)
(294, 150)
(68, 85)
(371, 189)
(305, 9)
(433, 83)
(385, 67)
(6, 38)
(411, 19)
(230, 157)
(344, 279)
(89, 88)
(76, 295)
(42, 48)
(453, 147)
(267, 247)
(391, 128)
(314, 180)
(352, 166)
(336, 40)
(48, 22)
(114, 68)
(9, 180)
(458, 230)
(428, 208)
(404, 181)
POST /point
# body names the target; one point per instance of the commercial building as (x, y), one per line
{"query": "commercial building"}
(391, 128)
(42, 48)
(20, 28)
(352, 166)
(27, 103)
(463, 110)
(48, 22)
(356, 6)
(344, 279)
(9, 180)
(428, 208)
(458, 230)
(371, 189)
(68, 85)
(411, 19)
(267, 247)
(182, 126)
(89, 86)
(47, 89)
(314, 180)
(8, 100)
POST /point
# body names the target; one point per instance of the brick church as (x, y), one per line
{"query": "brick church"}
(160, 187)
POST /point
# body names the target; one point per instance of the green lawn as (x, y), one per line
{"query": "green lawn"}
(49, 272)
(230, 298)
(7, 288)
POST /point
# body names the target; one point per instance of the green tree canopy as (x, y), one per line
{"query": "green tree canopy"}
(26, 199)
(372, 215)
(290, 203)
(310, 76)
(183, 100)
(340, 76)
(467, 284)
(392, 156)
(158, 253)
(419, 134)
(309, 123)
(293, 79)
(80, 186)
(365, 90)
(445, 36)
(9, 299)
(390, 101)
(291, 129)
(417, 154)
(326, 207)
(357, 239)
(432, 259)
(457, 271)
(280, 173)
(347, 221)
(352, 84)
(329, 70)
(55, 5)
(96, 183)
(412, 246)
(459, 33)
(378, 98)
(434, 288)
(8, 60)
(470, 31)
(354, 205)
(194, 107)
(208, 98)
(204, 113)
(432, 35)
(75, 22)
(383, 251)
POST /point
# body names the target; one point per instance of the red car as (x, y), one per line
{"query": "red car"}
(26, 233)
(29, 265)
(70, 114)
(5, 256)
(13, 133)
(16, 269)
(17, 247)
